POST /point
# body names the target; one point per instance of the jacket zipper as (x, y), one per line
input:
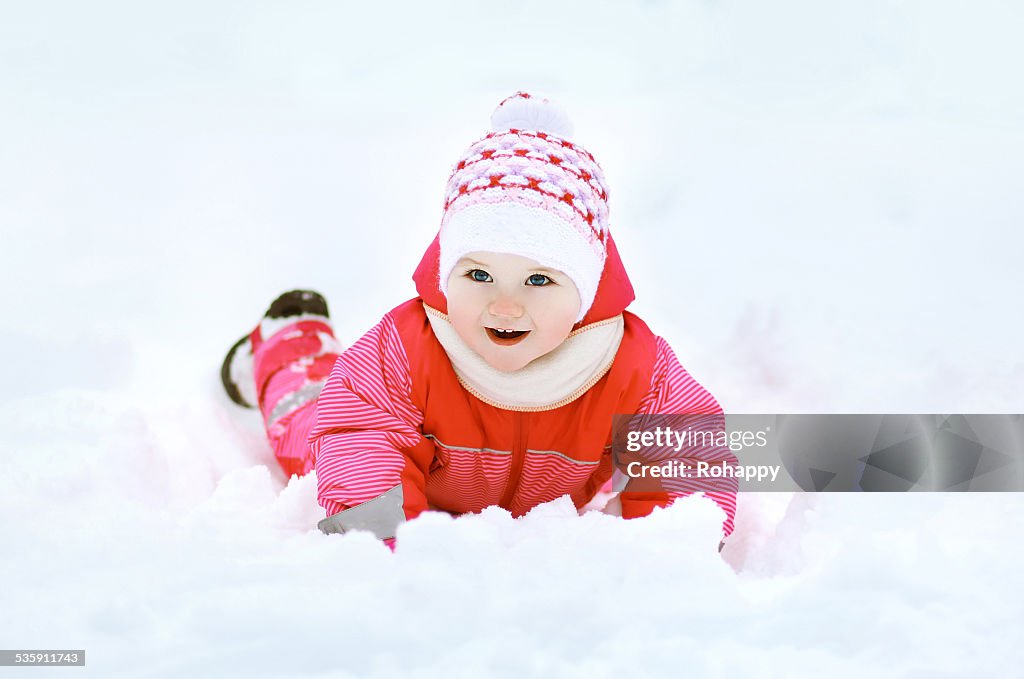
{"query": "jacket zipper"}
(518, 456)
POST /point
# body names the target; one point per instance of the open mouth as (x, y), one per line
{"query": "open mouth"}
(506, 337)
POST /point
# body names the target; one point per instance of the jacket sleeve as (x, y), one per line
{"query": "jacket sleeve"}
(674, 392)
(371, 456)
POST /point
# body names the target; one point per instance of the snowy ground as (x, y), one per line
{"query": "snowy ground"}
(846, 174)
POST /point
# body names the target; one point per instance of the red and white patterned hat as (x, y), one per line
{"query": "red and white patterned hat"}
(525, 189)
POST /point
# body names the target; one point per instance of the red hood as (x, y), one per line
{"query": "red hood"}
(614, 292)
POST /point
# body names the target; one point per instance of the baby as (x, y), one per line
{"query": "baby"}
(497, 384)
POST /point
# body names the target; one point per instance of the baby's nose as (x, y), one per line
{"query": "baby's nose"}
(506, 307)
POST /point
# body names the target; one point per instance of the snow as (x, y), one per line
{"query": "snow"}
(819, 206)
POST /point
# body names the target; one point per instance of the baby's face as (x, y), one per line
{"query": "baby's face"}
(490, 293)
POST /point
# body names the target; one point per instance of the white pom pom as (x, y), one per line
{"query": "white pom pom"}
(523, 111)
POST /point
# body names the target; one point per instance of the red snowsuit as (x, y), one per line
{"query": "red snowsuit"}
(396, 432)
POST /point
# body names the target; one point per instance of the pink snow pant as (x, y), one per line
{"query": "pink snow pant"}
(290, 369)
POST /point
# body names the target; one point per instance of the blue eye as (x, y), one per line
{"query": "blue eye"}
(538, 279)
(479, 275)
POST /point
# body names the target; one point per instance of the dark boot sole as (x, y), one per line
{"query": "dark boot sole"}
(225, 374)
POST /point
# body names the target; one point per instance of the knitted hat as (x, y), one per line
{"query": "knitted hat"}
(525, 189)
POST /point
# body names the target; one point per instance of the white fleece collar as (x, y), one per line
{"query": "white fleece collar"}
(556, 378)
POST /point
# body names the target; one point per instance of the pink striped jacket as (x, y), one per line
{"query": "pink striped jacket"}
(397, 432)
